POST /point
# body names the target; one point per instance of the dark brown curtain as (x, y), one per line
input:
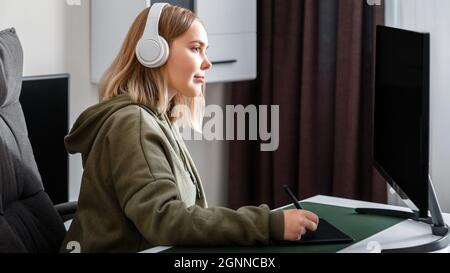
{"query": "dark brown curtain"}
(316, 61)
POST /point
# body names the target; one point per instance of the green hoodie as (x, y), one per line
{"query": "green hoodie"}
(140, 187)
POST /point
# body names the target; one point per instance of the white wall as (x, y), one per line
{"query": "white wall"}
(433, 17)
(55, 38)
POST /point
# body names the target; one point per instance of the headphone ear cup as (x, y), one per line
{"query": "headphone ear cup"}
(152, 53)
(164, 54)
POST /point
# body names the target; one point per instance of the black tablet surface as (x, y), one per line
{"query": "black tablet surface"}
(325, 233)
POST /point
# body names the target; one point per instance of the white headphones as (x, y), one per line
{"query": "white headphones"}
(152, 50)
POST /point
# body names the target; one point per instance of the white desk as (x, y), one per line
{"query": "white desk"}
(403, 234)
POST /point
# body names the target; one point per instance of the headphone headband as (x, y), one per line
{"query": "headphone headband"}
(152, 25)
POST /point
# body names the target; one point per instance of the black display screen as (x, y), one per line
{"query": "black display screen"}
(401, 113)
(44, 101)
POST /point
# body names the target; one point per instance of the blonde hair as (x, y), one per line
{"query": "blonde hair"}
(149, 86)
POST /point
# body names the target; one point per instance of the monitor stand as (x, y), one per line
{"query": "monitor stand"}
(436, 221)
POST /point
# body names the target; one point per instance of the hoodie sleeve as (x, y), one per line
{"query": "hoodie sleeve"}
(147, 192)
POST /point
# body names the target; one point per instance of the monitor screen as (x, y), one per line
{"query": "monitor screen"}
(401, 113)
(44, 101)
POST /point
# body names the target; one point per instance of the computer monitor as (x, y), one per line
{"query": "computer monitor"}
(401, 129)
(44, 101)
(401, 112)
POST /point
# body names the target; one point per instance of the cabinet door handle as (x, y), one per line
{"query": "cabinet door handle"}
(224, 62)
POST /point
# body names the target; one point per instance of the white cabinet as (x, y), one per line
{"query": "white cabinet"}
(227, 16)
(231, 27)
(110, 21)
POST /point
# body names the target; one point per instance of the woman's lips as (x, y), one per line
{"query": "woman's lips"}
(199, 79)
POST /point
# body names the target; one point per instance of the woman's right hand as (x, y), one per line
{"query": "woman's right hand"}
(297, 222)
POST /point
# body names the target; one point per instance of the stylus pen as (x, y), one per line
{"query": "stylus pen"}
(292, 197)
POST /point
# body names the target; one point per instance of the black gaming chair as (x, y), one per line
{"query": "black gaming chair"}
(29, 222)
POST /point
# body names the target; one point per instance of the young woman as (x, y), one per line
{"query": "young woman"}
(140, 187)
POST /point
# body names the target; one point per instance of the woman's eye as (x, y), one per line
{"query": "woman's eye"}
(196, 49)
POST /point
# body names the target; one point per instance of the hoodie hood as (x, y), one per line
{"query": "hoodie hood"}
(86, 127)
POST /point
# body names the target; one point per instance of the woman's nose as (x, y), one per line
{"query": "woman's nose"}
(206, 64)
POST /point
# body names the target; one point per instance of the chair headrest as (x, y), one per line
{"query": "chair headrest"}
(11, 67)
